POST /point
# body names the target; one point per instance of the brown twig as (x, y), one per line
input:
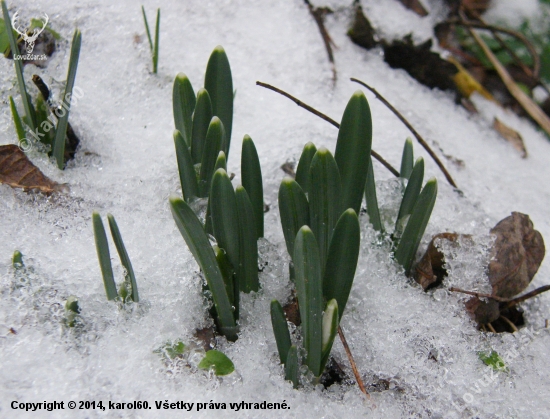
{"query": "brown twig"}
(509, 323)
(326, 118)
(318, 14)
(479, 295)
(509, 302)
(352, 362)
(491, 328)
(527, 296)
(411, 129)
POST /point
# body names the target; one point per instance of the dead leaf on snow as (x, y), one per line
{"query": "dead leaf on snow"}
(512, 136)
(415, 6)
(17, 171)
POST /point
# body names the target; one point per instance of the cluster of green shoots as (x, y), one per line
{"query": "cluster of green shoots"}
(47, 122)
(154, 46)
(234, 217)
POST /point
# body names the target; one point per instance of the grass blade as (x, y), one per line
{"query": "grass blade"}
(353, 149)
(157, 42)
(294, 211)
(17, 121)
(280, 330)
(219, 84)
(225, 217)
(372, 200)
(408, 245)
(147, 29)
(342, 259)
(25, 98)
(102, 247)
(412, 191)
(251, 174)
(188, 177)
(61, 130)
(183, 104)
(124, 258)
(292, 366)
(248, 243)
(201, 121)
(302, 171)
(193, 233)
(407, 160)
(324, 199)
(330, 328)
(212, 146)
(309, 288)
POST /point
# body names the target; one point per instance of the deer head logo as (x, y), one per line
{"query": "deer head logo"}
(29, 40)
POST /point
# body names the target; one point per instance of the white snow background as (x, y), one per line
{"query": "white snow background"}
(126, 166)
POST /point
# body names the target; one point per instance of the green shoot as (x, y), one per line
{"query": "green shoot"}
(280, 330)
(17, 260)
(72, 311)
(292, 367)
(153, 46)
(17, 121)
(102, 247)
(183, 100)
(407, 160)
(251, 174)
(188, 178)
(372, 201)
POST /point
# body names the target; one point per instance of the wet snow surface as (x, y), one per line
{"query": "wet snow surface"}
(423, 344)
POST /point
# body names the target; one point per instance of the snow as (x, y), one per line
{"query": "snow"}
(127, 167)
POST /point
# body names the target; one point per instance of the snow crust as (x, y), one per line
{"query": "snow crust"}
(423, 344)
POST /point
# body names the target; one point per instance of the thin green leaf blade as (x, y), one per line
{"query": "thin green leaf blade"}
(372, 201)
(157, 44)
(408, 245)
(219, 84)
(353, 149)
(61, 130)
(228, 274)
(342, 259)
(324, 199)
(330, 328)
(201, 122)
(212, 147)
(124, 258)
(412, 191)
(17, 121)
(293, 210)
(302, 171)
(217, 360)
(292, 366)
(280, 330)
(186, 169)
(251, 174)
(183, 105)
(248, 243)
(309, 288)
(407, 159)
(102, 247)
(193, 233)
(147, 29)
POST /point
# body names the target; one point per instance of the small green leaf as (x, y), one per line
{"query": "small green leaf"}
(147, 29)
(372, 201)
(292, 367)
(408, 244)
(72, 304)
(280, 330)
(193, 233)
(324, 199)
(174, 350)
(309, 288)
(293, 209)
(221, 162)
(229, 278)
(17, 121)
(38, 23)
(157, 44)
(217, 360)
(124, 258)
(61, 130)
(342, 259)
(201, 122)
(248, 243)
(186, 169)
(17, 260)
(102, 247)
(493, 360)
(353, 150)
(212, 147)
(219, 84)
(251, 174)
(302, 171)
(412, 191)
(330, 328)
(407, 159)
(183, 105)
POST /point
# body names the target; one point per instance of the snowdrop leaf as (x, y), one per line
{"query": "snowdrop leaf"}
(183, 102)
(302, 172)
(372, 201)
(280, 330)
(102, 247)
(412, 191)
(212, 146)
(221, 162)
(251, 174)
(201, 122)
(294, 211)
(188, 178)
(292, 366)
(17, 121)
(248, 243)
(330, 327)
(407, 159)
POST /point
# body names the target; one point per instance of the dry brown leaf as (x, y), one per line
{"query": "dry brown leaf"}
(17, 171)
(430, 271)
(510, 135)
(362, 33)
(483, 312)
(518, 252)
(415, 6)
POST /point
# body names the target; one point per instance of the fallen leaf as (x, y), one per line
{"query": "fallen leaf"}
(483, 312)
(467, 84)
(430, 271)
(512, 136)
(518, 252)
(415, 6)
(17, 171)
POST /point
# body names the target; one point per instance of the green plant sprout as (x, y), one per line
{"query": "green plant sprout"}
(17, 260)
(415, 209)
(319, 218)
(128, 290)
(154, 46)
(72, 311)
(40, 120)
